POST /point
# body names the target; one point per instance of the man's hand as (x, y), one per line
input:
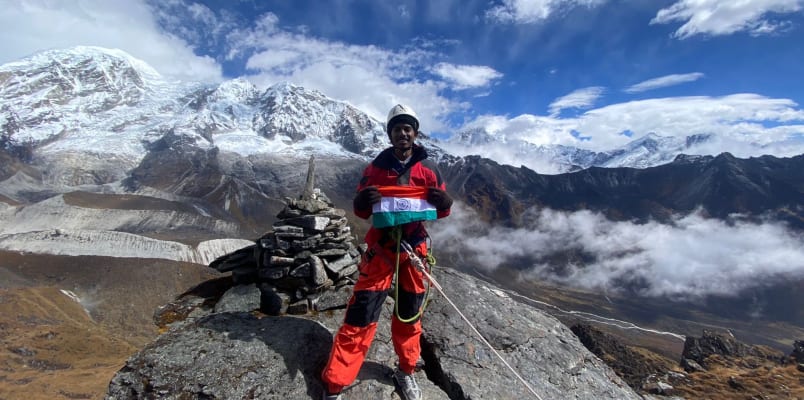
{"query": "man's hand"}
(366, 198)
(440, 199)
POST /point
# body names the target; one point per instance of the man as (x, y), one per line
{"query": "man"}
(403, 164)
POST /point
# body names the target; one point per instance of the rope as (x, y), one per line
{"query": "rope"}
(396, 234)
(418, 263)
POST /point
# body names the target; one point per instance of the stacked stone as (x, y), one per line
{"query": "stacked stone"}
(305, 263)
(310, 249)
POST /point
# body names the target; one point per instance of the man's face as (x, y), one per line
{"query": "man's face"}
(403, 136)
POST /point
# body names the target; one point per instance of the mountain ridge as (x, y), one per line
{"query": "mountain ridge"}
(722, 186)
(102, 101)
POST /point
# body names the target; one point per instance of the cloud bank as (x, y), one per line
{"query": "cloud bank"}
(745, 124)
(690, 258)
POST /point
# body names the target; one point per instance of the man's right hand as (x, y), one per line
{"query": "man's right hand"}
(366, 198)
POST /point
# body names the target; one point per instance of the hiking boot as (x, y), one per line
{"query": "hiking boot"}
(407, 385)
(326, 396)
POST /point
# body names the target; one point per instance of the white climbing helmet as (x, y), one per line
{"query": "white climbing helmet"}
(401, 113)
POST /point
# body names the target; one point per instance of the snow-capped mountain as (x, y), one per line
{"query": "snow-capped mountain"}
(133, 162)
(647, 151)
(91, 109)
(93, 101)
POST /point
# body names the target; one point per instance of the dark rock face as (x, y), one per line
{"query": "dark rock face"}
(633, 367)
(228, 356)
(711, 343)
(697, 349)
(721, 185)
(539, 347)
(236, 355)
(798, 351)
(719, 366)
(177, 166)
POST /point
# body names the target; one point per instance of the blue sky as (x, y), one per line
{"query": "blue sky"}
(533, 70)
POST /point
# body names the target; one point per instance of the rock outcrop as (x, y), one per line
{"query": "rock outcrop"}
(798, 351)
(699, 349)
(713, 366)
(634, 367)
(242, 354)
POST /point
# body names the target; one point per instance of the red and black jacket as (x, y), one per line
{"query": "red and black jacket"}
(387, 170)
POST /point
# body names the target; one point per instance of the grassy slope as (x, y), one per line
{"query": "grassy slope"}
(50, 347)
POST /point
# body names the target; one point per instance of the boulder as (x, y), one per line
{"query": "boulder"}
(235, 355)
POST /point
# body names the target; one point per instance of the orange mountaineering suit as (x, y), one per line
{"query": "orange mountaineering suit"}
(377, 269)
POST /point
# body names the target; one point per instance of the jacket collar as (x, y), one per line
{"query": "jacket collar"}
(387, 160)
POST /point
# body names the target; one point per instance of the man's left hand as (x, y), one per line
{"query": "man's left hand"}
(440, 199)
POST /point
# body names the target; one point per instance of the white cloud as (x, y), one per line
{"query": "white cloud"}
(663, 81)
(466, 76)
(370, 78)
(534, 11)
(30, 26)
(581, 98)
(723, 17)
(691, 257)
(743, 124)
(272, 59)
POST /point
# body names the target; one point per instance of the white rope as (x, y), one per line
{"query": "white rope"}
(419, 265)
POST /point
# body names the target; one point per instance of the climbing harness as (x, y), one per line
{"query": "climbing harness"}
(396, 235)
(417, 262)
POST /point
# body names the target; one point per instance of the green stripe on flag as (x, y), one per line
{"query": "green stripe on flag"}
(386, 219)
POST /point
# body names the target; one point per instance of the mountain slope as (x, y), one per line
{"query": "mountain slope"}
(720, 186)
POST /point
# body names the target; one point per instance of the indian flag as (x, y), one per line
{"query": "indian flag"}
(400, 205)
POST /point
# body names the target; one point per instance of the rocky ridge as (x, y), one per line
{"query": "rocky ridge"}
(721, 187)
(210, 353)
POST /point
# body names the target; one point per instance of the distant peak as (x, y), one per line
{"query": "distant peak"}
(284, 87)
(690, 158)
(725, 156)
(239, 85)
(73, 56)
(286, 91)
(650, 136)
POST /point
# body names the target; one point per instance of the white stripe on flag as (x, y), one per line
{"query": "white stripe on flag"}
(396, 204)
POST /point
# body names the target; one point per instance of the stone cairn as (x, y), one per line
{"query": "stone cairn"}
(307, 262)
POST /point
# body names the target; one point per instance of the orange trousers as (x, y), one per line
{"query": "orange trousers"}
(355, 335)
